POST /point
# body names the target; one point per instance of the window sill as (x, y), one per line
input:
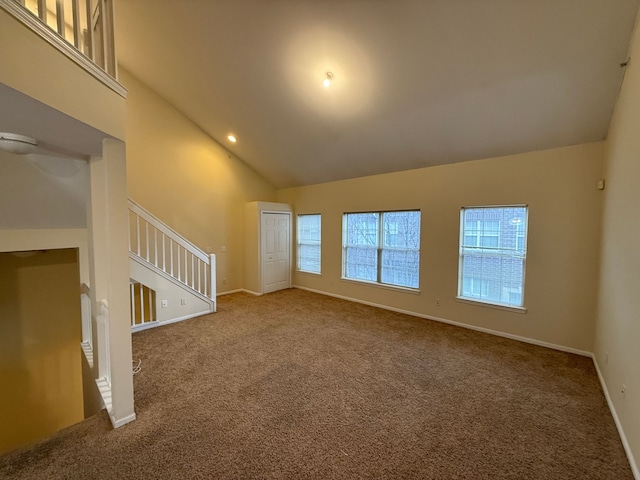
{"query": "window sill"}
(313, 274)
(480, 303)
(413, 291)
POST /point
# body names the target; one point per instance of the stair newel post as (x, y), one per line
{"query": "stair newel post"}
(212, 273)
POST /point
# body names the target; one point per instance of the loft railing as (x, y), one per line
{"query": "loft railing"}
(81, 29)
(86, 24)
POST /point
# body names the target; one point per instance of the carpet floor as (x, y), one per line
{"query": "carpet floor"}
(299, 385)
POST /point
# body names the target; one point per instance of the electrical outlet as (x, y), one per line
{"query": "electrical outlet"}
(183, 301)
(623, 390)
(164, 304)
(437, 302)
(223, 248)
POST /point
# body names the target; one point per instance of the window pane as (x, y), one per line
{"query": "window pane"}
(401, 267)
(491, 227)
(382, 247)
(489, 241)
(309, 228)
(309, 258)
(492, 254)
(475, 287)
(362, 263)
(470, 240)
(400, 255)
(362, 229)
(401, 229)
(308, 240)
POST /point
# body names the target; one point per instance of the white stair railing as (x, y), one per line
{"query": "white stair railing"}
(104, 357)
(103, 373)
(97, 339)
(158, 245)
(87, 328)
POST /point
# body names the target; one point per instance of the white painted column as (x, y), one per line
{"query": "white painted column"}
(98, 263)
(109, 270)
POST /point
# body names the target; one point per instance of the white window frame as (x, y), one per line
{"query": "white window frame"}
(521, 235)
(379, 248)
(502, 251)
(300, 240)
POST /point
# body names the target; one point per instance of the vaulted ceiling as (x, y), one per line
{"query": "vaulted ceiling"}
(416, 82)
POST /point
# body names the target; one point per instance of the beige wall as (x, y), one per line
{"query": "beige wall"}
(38, 191)
(618, 324)
(32, 66)
(564, 217)
(40, 356)
(189, 181)
(44, 239)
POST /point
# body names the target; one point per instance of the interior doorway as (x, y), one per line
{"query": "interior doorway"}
(276, 251)
(40, 354)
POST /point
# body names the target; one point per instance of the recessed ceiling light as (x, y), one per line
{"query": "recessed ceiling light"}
(327, 80)
(232, 138)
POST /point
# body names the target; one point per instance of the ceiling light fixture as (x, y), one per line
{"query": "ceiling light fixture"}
(19, 144)
(232, 138)
(327, 81)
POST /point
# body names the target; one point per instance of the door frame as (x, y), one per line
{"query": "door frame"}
(261, 270)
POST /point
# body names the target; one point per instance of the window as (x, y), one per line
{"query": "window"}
(492, 254)
(382, 247)
(308, 243)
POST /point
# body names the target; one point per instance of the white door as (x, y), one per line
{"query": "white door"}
(276, 263)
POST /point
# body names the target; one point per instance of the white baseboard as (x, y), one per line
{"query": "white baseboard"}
(122, 421)
(239, 290)
(146, 326)
(616, 419)
(251, 292)
(457, 324)
(229, 292)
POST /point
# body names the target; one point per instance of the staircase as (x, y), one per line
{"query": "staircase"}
(171, 278)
